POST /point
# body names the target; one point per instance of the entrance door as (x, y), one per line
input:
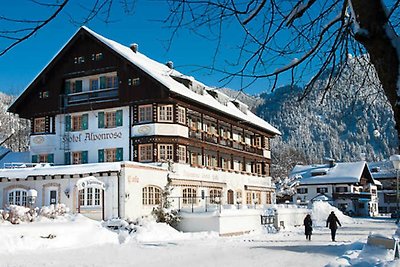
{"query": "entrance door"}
(53, 197)
(230, 197)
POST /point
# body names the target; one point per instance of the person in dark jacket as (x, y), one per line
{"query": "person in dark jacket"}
(308, 226)
(333, 222)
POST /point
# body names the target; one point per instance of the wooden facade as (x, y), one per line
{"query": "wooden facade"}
(229, 143)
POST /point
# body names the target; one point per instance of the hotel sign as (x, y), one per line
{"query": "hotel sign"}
(91, 137)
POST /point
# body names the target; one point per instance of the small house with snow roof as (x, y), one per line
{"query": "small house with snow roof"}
(103, 110)
(347, 185)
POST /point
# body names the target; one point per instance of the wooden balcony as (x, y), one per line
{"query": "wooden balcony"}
(101, 95)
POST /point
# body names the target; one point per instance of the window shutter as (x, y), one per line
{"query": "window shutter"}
(67, 158)
(84, 157)
(101, 155)
(67, 87)
(50, 158)
(102, 82)
(101, 120)
(85, 122)
(118, 118)
(68, 123)
(34, 159)
(78, 86)
(119, 154)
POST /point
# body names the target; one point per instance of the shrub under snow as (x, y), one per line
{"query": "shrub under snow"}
(17, 214)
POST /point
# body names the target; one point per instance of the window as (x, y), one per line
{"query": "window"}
(226, 163)
(257, 199)
(79, 60)
(79, 157)
(189, 196)
(110, 119)
(239, 196)
(302, 190)
(146, 153)
(94, 85)
(215, 196)
(249, 198)
(97, 57)
(165, 113)
(134, 82)
(259, 168)
(340, 189)
(39, 125)
(181, 115)
(182, 154)
(151, 195)
(257, 141)
(44, 94)
(90, 197)
(268, 198)
(47, 158)
(322, 190)
(110, 154)
(77, 122)
(145, 113)
(267, 145)
(17, 197)
(195, 159)
(111, 82)
(165, 152)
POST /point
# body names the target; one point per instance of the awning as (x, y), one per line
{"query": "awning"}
(90, 181)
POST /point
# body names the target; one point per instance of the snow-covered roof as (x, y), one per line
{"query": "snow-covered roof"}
(43, 170)
(13, 157)
(165, 74)
(382, 169)
(3, 151)
(344, 172)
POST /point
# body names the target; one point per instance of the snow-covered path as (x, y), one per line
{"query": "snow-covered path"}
(286, 248)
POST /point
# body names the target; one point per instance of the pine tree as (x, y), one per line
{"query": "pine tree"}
(164, 212)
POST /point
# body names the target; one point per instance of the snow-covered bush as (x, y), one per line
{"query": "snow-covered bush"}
(53, 211)
(17, 214)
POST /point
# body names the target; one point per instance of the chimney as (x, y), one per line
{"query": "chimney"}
(134, 47)
(170, 64)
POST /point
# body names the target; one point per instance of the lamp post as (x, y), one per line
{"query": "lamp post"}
(395, 159)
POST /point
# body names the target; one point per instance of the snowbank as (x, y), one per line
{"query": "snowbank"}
(72, 231)
(321, 211)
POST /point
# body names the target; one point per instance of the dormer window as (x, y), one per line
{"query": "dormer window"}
(318, 173)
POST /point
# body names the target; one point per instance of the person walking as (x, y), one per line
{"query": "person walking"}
(333, 222)
(308, 227)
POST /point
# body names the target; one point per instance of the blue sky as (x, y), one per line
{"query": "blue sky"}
(188, 51)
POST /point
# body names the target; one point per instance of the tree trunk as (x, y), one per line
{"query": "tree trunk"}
(383, 53)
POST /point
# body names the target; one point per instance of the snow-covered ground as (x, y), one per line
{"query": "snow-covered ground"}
(78, 241)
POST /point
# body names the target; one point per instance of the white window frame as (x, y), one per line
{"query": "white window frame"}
(189, 195)
(145, 113)
(181, 115)
(39, 125)
(110, 155)
(165, 152)
(90, 197)
(151, 195)
(165, 113)
(22, 197)
(182, 154)
(110, 119)
(144, 151)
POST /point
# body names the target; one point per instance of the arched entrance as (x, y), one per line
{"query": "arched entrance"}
(91, 197)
